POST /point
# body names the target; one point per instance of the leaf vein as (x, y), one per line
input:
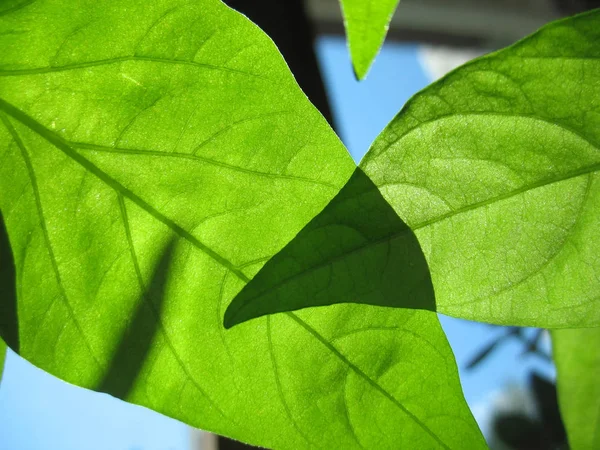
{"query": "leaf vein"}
(365, 377)
(156, 153)
(42, 221)
(549, 260)
(278, 383)
(63, 145)
(122, 59)
(148, 301)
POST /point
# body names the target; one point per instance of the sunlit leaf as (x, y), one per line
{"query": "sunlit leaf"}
(2, 356)
(154, 155)
(577, 358)
(366, 24)
(495, 168)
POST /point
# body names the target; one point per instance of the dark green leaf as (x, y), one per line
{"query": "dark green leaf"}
(546, 402)
(520, 432)
(9, 324)
(344, 255)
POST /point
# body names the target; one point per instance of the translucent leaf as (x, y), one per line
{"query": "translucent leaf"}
(495, 168)
(366, 24)
(578, 363)
(154, 155)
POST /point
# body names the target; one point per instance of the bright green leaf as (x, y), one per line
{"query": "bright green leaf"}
(153, 156)
(495, 168)
(2, 356)
(356, 250)
(577, 357)
(366, 24)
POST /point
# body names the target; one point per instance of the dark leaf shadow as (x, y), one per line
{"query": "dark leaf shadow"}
(357, 250)
(137, 340)
(9, 323)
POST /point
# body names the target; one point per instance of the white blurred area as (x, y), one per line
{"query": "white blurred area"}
(513, 398)
(437, 61)
(201, 440)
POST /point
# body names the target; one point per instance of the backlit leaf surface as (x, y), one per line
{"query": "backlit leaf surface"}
(153, 156)
(577, 357)
(495, 168)
(2, 356)
(366, 24)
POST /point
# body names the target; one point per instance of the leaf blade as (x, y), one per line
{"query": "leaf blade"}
(151, 167)
(366, 23)
(496, 171)
(3, 350)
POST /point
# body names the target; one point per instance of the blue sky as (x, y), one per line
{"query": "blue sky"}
(38, 411)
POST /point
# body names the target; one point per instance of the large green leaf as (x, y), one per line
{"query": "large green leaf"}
(577, 357)
(153, 156)
(366, 24)
(495, 168)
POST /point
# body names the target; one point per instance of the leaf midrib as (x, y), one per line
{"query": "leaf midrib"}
(586, 170)
(42, 223)
(364, 376)
(64, 146)
(120, 59)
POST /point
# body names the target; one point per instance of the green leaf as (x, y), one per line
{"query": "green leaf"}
(495, 168)
(345, 254)
(366, 24)
(2, 356)
(577, 364)
(153, 156)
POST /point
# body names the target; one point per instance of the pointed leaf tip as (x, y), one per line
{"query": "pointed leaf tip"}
(366, 23)
(357, 250)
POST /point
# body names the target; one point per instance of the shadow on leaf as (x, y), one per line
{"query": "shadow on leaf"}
(357, 250)
(135, 345)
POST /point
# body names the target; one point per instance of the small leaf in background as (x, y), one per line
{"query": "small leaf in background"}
(366, 23)
(154, 156)
(486, 351)
(577, 357)
(546, 402)
(520, 432)
(495, 168)
(357, 250)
